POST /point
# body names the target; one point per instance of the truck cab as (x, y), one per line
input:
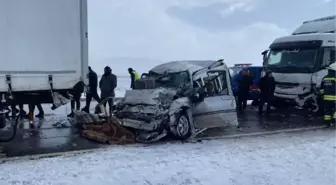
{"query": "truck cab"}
(298, 62)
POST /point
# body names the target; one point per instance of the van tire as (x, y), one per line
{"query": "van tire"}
(182, 128)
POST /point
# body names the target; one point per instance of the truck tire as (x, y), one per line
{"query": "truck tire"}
(182, 128)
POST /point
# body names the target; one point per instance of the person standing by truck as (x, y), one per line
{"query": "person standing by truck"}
(76, 94)
(328, 92)
(244, 84)
(91, 90)
(267, 88)
(134, 76)
(107, 84)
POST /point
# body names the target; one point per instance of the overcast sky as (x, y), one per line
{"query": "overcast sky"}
(136, 31)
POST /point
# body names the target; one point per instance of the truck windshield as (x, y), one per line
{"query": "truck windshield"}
(173, 80)
(292, 58)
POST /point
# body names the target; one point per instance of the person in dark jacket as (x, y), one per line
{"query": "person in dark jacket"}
(244, 84)
(76, 94)
(328, 92)
(107, 84)
(267, 87)
(92, 89)
(134, 76)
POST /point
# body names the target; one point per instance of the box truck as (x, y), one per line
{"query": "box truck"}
(43, 50)
(298, 62)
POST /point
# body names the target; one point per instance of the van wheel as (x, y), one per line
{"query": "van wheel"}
(181, 129)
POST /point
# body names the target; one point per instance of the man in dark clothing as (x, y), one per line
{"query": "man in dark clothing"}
(76, 94)
(328, 92)
(267, 87)
(92, 89)
(107, 84)
(134, 76)
(244, 84)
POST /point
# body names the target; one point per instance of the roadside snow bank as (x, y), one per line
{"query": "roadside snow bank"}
(301, 158)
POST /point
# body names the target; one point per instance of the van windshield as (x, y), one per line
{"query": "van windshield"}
(173, 80)
(292, 58)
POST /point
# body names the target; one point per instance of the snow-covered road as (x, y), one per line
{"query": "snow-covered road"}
(286, 159)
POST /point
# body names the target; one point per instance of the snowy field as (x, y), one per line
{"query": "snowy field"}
(287, 159)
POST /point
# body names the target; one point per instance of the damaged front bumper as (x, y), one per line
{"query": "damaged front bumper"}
(141, 125)
(299, 101)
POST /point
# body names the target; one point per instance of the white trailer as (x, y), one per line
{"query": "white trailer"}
(299, 62)
(43, 48)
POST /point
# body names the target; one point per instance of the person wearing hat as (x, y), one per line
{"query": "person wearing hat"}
(107, 84)
(244, 84)
(76, 94)
(267, 88)
(134, 76)
(91, 89)
(328, 93)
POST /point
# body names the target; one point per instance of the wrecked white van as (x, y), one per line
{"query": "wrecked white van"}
(180, 98)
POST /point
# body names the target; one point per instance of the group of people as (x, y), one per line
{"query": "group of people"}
(266, 85)
(107, 85)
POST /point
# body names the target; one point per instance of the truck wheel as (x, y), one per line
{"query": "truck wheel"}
(181, 129)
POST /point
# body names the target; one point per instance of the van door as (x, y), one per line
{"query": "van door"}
(218, 109)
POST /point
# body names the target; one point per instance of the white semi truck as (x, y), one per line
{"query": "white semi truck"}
(43, 50)
(298, 62)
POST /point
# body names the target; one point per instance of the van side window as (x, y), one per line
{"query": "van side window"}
(216, 84)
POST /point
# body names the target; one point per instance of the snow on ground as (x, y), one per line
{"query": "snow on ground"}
(301, 159)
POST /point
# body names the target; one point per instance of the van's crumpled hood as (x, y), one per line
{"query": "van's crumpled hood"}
(149, 96)
(146, 109)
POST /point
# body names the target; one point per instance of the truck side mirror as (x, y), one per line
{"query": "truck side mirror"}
(264, 54)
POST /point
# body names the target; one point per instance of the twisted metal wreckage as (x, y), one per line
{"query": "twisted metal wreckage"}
(178, 99)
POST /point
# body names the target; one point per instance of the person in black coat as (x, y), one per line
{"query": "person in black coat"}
(92, 89)
(267, 88)
(244, 84)
(107, 84)
(76, 94)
